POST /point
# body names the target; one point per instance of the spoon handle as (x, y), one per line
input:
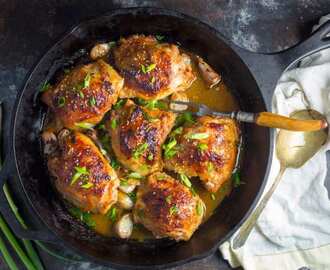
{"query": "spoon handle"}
(245, 230)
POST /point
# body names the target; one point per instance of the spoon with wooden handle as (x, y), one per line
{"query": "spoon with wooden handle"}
(265, 119)
(293, 149)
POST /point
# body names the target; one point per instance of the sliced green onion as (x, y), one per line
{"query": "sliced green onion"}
(83, 216)
(120, 103)
(138, 152)
(174, 210)
(114, 163)
(183, 118)
(112, 214)
(161, 176)
(176, 131)
(210, 167)
(159, 37)
(200, 208)
(61, 102)
(114, 123)
(45, 86)
(150, 68)
(202, 147)
(79, 171)
(171, 144)
(132, 196)
(135, 175)
(169, 148)
(168, 199)
(84, 125)
(143, 69)
(198, 136)
(87, 185)
(147, 69)
(87, 80)
(111, 44)
(150, 156)
(236, 176)
(185, 180)
(213, 196)
(92, 101)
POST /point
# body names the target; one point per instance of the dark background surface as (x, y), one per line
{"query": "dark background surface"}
(29, 28)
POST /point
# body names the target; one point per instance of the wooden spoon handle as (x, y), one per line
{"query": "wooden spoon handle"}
(268, 119)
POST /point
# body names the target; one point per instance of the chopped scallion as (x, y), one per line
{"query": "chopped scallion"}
(87, 185)
(185, 180)
(112, 214)
(200, 208)
(92, 101)
(198, 136)
(135, 175)
(45, 86)
(113, 123)
(168, 199)
(202, 147)
(79, 171)
(61, 102)
(84, 125)
(174, 210)
(138, 152)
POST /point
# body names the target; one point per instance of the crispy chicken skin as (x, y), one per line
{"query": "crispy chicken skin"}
(85, 94)
(168, 208)
(207, 149)
(152, 70)
(137, 135)
(81, 173)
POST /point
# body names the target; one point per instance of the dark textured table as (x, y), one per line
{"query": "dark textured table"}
(28, 28)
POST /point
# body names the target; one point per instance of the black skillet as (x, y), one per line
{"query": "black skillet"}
(251, 77)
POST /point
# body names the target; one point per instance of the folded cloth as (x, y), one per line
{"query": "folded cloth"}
(294, 229)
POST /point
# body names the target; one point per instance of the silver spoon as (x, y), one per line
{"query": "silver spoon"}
(293, 149)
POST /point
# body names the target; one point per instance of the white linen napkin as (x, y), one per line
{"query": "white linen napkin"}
(294, 229)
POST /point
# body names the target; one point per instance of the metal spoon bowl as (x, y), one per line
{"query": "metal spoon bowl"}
(293, 150)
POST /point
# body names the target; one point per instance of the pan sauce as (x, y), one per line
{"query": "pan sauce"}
(218, 98)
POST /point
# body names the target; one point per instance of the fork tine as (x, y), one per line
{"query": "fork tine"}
(181, 111)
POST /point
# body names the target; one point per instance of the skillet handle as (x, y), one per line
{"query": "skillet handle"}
(319, 40)
(7, 172)
(268, 68)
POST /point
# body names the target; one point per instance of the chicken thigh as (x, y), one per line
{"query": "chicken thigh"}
(81, 173)
(137, 135)
(84, 95)
(207, 149)
(168, 208)
(152, 70)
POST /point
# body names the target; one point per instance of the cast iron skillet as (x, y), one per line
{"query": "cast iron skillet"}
(251, 77)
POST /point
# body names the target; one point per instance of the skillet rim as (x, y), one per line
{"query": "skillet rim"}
(63, 37)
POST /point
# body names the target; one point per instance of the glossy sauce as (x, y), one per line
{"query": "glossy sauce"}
(218, 98)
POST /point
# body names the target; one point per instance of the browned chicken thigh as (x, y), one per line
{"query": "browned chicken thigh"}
(137, 135)
(81, 173)
(207, 149)
(84, 95)
(168, 208)
(152, 70)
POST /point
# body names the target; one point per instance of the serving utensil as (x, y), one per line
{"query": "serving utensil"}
(266, 119)
(293, 150)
